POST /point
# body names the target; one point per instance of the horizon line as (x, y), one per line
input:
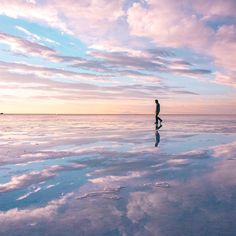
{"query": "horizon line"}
(77, 114)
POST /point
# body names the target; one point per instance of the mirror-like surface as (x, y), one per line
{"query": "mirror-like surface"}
(117, 175)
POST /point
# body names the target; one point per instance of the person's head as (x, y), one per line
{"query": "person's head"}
(156, 101)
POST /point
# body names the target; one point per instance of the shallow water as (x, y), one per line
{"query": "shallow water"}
(116, 175)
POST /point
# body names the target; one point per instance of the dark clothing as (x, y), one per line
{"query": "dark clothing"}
(158, 108)
(158, 118)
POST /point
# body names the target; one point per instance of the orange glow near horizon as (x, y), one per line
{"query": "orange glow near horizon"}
(62, 62)
(112, 107)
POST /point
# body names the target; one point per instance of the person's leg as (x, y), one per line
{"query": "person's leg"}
(158, 126)
(159, 119)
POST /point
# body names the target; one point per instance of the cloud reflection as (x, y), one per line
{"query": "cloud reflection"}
(109, 179)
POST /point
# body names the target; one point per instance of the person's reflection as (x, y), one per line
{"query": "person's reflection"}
(158, 137)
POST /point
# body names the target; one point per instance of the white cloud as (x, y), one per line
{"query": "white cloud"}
(34, 37)
(20, 181)
(86, 19)
(167, 23)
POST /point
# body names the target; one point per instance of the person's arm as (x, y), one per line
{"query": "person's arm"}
(158, 108)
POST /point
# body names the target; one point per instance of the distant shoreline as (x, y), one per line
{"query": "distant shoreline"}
(44, 114)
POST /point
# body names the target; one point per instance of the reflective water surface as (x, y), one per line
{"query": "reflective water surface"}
(117, 175)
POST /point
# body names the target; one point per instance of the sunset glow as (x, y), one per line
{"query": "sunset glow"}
(116, 57)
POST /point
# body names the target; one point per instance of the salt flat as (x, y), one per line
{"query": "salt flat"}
(117, 175)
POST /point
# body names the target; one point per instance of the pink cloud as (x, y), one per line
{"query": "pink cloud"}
(37, 12)
(85, 18)
(30, 216)
(52, 220)
(226, 78)
(225, 151)
(34, 177)
(224, 47)
(179, 24)
(20, 181)
(168, 23)
(216, 8)
(23, 46)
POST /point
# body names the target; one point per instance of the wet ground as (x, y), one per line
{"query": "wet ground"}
(117, 175)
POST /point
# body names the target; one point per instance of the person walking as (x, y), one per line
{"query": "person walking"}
(158, 109)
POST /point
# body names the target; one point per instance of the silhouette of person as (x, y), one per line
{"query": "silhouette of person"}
(158, 109)
(158, 137)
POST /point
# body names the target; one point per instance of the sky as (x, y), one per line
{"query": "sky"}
(117, 56)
